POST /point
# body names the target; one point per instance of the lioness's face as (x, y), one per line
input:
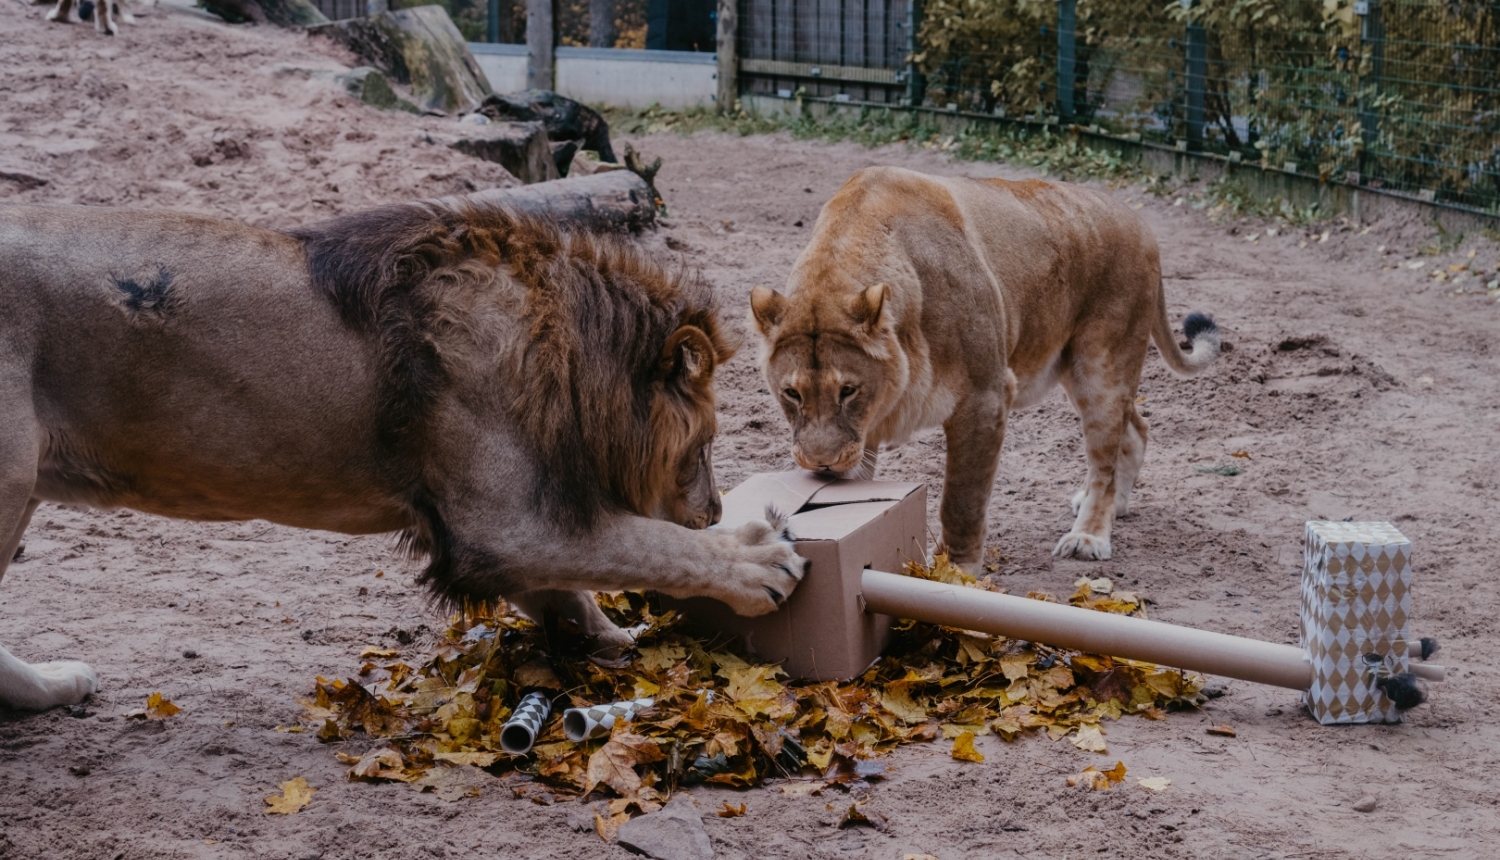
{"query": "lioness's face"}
(695, 502)
(827, 388)
(825, 367)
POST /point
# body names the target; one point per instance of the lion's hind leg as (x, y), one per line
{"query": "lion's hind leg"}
(1102, 387)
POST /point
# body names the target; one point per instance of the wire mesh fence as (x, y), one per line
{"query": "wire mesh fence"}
(1402, 95)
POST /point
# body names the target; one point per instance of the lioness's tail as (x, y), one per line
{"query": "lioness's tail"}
(1201, 331)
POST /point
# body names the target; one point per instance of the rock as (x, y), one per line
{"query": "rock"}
(307, 73)
(282, 13)
(420, 47)
(370, 86)
(674, 832)
(584, 165)
(581, 818)
(474, 119)
(520, 147)
(1365, 804)
(565, 118)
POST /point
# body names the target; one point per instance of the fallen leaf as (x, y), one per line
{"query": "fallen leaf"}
(1243, 455)
(731, 811)
(614, 763)
(452, 783)
(377, 651)
(608, 827)
(1224, 729)
(328, 733)
(963, 748)
(854, 815)
(1154, 783)
(802, 789)
(1099, 780)
(384, 763)
(477, 759)
(295, 794)
(1090, 739)
(921, 856)
(158, 707)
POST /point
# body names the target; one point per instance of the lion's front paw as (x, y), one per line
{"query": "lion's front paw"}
(765, 568)
(68, 682)
(1084, 546)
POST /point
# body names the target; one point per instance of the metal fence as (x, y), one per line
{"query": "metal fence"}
(1402, 95)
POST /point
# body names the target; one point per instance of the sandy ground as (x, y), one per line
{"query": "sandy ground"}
(1360, 387)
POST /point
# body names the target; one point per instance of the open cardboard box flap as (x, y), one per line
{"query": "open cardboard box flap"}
(821, 507)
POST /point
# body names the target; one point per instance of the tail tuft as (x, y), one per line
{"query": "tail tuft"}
(1198, 324)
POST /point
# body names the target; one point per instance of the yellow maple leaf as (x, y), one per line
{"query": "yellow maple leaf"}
(1091, 739)
(1099, 780)
(659, 658)
(295, 794)
(376, 651)
(158, 707)
(963, 748)
(896, 698)
(477, 759)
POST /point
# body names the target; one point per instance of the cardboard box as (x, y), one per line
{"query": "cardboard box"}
(843, 527)
(1356, 600)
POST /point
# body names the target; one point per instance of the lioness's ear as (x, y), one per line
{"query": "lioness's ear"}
(868, 305)
(768, 307)
(688, 356)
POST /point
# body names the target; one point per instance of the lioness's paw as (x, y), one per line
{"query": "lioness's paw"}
(1084, 546)
(68, 682)
(765, 570)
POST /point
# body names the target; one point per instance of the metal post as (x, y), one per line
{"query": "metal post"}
(1197, 74)
(1372, 34)
(541, 39)
(728, 56)
(916, 83)
(1067, 26)
(492, 22)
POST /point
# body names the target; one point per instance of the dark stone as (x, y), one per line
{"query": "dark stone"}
(564, 118)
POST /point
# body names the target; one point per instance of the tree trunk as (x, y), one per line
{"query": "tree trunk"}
(420, 47)
(520, 147)
(601, 23)
(618, 200)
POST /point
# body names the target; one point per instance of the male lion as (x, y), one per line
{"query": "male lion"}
(533, 409)
(923, 301)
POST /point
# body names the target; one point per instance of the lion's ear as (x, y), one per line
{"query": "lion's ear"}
(869, 305)
(688, 356)
(768, 307)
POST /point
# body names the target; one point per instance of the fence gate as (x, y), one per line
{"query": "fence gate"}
(851, 48)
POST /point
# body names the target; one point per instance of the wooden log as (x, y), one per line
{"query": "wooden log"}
(520, 147)
(615, 201)
(282, 13)
(419, 47)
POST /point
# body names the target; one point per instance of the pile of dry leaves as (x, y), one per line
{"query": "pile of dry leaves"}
(718, 716)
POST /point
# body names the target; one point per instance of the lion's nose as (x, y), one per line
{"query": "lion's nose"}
(715, 511)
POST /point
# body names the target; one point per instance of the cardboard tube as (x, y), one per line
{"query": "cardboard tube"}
(1094, 632)
(519, 732)
(581, 724)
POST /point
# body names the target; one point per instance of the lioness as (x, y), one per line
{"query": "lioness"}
(533, 409)
(925, 301)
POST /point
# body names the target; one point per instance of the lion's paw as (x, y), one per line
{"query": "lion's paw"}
(1076, 503)
(1085, 546)
(67, 682)
(765, 569)
(54, 16)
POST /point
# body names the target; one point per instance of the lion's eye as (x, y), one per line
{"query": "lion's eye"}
(846, 392)
(792, 395)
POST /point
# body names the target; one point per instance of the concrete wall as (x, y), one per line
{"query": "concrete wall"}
(504, 65)
(613, 76)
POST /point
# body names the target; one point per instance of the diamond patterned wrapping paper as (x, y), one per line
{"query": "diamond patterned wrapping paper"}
(1356, 600)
